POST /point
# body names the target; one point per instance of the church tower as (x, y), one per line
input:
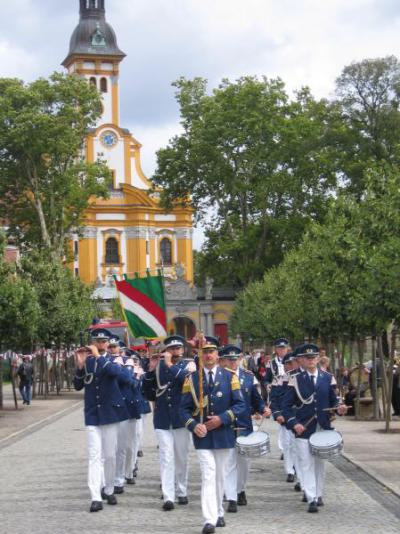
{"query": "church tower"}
(94, 53)
(129, 232)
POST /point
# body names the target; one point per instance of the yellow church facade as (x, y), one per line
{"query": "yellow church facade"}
(129, 232)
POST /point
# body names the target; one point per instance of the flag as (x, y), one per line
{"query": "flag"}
(143, 303)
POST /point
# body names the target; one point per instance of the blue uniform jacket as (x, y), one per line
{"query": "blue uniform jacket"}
(273, 371)
(167, 397)
(225, 400)
(104, 403)
(300, 402)
(253, 400)
(131, 394)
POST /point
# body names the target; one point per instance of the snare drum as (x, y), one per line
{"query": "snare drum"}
(326, 444)
(254, 445)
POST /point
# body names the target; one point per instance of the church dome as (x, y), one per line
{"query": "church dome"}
(93, 36)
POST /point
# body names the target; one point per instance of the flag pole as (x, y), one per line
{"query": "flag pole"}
(201, 375)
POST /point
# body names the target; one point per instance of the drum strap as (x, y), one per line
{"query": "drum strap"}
(296, 387)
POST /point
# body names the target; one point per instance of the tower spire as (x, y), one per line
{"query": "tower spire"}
(90, 8)
(93, 36)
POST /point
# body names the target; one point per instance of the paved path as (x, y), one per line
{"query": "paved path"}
(43, 489)
(369, 447)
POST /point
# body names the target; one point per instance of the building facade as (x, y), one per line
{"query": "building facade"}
(128, 232)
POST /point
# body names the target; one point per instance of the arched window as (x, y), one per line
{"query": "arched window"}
(103, 85)
(112, 252)
(166, 251)
(93, 81)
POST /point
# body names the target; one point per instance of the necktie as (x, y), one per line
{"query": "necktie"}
(210, 380)
(313, 381)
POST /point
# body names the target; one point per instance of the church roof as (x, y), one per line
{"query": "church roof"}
(93, 36)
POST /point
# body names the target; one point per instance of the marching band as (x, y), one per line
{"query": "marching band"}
(212, 402)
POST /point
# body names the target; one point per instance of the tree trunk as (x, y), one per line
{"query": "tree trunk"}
(374, 382)
(383, 375)
(390, 379)
(360, 362)
(1, 383)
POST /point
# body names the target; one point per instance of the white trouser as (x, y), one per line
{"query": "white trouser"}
(312, 470)
(288, 459)
(125, 451)
(280, 438)
(294, 455)
(237, 474)
(102, 448)
(213, 464)
(173, 447)
(140, 429)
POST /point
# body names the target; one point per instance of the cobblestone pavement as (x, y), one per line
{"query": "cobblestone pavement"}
(43, 490)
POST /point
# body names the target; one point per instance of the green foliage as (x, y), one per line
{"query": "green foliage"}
(45, 183)
(19, 308)
(255, 165)
(342, 282)
(367, 131)
(65, 302)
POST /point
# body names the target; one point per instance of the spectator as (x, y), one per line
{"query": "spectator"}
(324, 363)
(25, 373)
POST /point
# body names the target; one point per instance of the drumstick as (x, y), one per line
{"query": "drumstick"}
(309, 421)
(332, 409)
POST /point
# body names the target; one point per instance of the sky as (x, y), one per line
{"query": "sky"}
(305, 42)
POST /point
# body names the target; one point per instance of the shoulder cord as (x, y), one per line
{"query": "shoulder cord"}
(304, 401)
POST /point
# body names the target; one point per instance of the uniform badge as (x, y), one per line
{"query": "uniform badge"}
(219, 394)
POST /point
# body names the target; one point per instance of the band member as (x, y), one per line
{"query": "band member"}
(104, 409)
(212, 424)
(273, 378)
(278, 390)
(163, 385)
(127, 434)
(239, 465)
(305, 406)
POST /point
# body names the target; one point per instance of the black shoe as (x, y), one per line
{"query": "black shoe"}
(96, 506)
(232, 507)
(282, 456)
(140, 454)
(28, 402)
(290, 478)
(297, 486)
(208, 529)
(118, 490)
(130, 481)
(220, 522)
(183, 500)
(103, 494)
(25, 402)
(242, 499)
(313, 507)
(304, 499)
(111, 499)
(168, 506)
(320, 502)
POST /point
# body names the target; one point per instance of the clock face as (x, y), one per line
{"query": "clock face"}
(109, 139)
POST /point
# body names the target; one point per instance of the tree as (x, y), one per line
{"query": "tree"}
(255, 166)
(45, 183)
(368, 104)
(66, 306)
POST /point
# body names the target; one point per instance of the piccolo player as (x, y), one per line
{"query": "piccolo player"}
(211, 402)
(104, 409)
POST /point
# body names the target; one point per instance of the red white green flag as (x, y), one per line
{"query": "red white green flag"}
(143, 303)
